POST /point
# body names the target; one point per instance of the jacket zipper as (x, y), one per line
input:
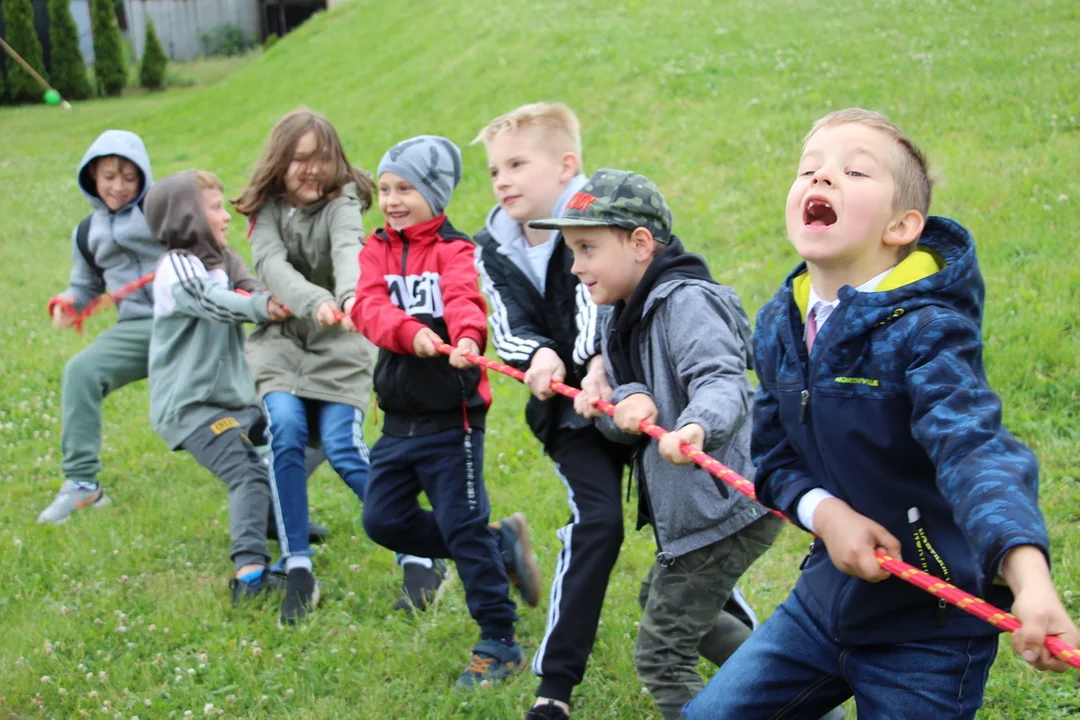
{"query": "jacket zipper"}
(923, 546)
(809, 554)
(404, 259)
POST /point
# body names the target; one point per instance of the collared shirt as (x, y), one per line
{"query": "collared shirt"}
(823, 309)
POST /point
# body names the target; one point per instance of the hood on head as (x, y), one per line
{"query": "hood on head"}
(127, 145)
(177, 218)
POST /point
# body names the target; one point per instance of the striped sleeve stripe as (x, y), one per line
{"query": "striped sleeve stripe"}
(510, 346)
(193, 284)
(585, 346)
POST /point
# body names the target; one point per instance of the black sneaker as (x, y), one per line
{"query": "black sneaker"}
(518, 557)
(317, 532)
(420, 586)
(301, 596)
(547, 711)
(241, 591)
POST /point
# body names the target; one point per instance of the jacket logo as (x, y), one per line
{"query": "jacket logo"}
(581, 201)
(857, 381)
(224, 424)
(416, 294)
(895, 314)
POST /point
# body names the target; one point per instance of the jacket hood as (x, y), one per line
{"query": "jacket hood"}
(127, 145)
(177, 218)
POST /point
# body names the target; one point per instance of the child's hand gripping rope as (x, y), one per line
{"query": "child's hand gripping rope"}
(967, 602)
(76, 318)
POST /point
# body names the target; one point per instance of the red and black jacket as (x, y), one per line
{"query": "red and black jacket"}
(422, 276)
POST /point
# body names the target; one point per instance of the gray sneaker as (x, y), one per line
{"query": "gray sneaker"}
(70, 498)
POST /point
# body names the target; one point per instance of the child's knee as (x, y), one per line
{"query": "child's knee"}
(81, 369)
(288, 432)
(342, 454)
(607, 522)
(382, 528)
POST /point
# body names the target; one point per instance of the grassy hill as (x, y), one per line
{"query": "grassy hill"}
(124, 612)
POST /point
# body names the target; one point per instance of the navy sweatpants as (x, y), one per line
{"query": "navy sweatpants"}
(448, 467)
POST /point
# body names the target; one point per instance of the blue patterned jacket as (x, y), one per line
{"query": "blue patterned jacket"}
(892, 413)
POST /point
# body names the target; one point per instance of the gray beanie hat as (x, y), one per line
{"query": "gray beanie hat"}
(432, 164)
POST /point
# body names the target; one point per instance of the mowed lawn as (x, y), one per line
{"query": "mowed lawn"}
(124, 612)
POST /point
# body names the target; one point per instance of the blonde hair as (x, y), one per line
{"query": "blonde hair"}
(556, 121)
(268, 177)
(914, 187)
(207, 180)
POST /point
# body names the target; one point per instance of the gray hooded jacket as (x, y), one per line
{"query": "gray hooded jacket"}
(197, 368)
(695, 352)
(120, 242)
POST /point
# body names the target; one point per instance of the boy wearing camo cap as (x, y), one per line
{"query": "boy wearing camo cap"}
(676, 350)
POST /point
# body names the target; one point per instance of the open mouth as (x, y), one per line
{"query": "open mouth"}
(818, 213)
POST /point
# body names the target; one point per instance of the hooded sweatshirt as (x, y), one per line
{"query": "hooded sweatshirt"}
(120, 242)
(684, 340)
(197, 367)
(530, 311)
(892, 413)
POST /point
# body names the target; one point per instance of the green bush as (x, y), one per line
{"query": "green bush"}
(68, 70)
(108, 52)
(226, 39)
(19, 19)
(270, 41)
(152, 72)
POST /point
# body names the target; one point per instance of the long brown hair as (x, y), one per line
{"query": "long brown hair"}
(268, 178)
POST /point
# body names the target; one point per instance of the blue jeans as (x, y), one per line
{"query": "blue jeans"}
(789, 668)
(290, 420)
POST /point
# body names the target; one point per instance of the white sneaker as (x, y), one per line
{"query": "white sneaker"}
(70, 498)
(739, 606)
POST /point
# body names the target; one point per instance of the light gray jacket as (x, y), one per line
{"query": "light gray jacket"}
(120, 242)
(695, 351)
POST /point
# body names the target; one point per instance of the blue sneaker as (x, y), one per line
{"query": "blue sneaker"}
(518, 557)
(492, 661)
(245, 590)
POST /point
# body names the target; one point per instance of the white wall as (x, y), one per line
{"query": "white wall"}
(181, 23)
(80, 11)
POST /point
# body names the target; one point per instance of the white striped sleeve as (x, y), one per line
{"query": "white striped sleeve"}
(197, 294)
(586, 345)
(510, 346)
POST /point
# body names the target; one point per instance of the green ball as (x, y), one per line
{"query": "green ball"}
(52, 97)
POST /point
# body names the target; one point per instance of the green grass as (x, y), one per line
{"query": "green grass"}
(126, 608)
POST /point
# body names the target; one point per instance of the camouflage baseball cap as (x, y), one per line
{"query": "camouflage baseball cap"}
(615, 198)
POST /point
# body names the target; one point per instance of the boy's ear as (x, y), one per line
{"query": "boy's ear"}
(644, 244)
(570, 165)
(904, 229)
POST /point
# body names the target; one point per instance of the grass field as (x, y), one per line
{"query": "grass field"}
(124, 612)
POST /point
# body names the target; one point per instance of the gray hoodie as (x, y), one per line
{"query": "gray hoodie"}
(120, 242)
(695, 352)
(197, 368)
